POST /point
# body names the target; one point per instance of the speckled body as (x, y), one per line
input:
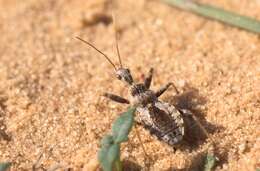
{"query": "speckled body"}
(161, 119)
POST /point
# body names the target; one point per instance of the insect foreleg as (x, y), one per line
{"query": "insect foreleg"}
(164, 88)
(116, 98)
(148, 79)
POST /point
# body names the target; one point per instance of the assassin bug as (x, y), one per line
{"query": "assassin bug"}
(163, 120)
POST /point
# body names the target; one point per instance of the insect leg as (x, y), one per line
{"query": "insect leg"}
(140, 140)
(148, 79)
(186, 113)
(116, 98)
(164, 88)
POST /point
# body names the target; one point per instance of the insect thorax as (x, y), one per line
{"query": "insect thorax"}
(140, 95)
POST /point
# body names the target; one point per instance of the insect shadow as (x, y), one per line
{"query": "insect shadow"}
(197, 164)
(191, 99)
(131, 166)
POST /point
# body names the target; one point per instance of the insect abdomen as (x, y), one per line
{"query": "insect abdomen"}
(164, 121)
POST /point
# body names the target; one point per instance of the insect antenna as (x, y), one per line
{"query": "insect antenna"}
(116, 38)
(109, 60)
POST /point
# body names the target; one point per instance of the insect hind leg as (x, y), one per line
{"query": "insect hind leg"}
(188, 113)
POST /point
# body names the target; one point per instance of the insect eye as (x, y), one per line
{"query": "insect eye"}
(119, 77)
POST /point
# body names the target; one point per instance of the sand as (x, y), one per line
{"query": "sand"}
(51, 85)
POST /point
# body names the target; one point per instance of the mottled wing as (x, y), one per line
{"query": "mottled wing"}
(162, 120)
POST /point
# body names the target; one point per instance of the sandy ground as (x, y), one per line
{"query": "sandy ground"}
(51, 84)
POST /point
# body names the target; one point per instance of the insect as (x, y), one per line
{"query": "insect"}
(163, 120)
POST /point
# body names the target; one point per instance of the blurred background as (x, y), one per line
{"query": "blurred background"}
(51, 84)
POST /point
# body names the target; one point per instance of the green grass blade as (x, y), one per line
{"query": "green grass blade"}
(219, 14)
(209, 162)
(123, 125)
(109, 153)
(107, 140)
(4, 166)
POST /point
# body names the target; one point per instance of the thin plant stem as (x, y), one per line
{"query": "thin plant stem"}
(118, 165)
